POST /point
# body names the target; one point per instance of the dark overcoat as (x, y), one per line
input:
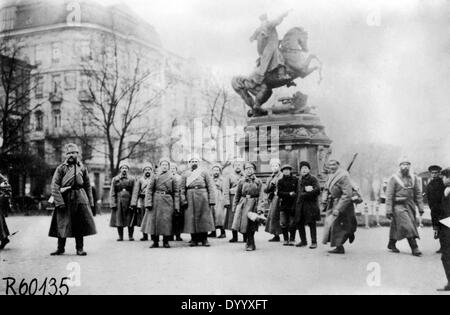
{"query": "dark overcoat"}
(307, 210)
(435, 191)
(120, 200)
(75, 219)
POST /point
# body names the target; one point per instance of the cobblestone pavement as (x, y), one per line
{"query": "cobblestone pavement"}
(133, 268)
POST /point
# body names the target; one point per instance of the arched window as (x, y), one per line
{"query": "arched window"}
(39, 119)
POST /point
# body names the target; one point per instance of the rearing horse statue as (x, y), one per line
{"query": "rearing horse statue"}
(292, 47)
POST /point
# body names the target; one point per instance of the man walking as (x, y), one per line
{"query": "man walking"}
(5, 195)
(273, 225)
(340, 208)
(403, 194)
(435, 191)
(71, 190)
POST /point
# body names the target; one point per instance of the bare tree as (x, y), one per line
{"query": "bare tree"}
(16, 89)
(120, 99)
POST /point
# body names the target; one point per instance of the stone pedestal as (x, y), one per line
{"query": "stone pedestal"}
(290, 137)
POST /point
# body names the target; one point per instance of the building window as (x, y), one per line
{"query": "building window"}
(39, 89)
(56, 53)
(56, 83)
(85, 50)
(7, 19)
(56, 113)
(39, 117)
(40, 54)
(70, 81)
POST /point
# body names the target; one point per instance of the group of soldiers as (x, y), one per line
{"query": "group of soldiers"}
(165, 204)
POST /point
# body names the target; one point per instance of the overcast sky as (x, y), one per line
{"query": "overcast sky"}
(384, 82)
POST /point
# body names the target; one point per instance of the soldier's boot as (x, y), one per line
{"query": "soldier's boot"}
(178, 238)
(194, 240)
(292, 236)
(130, 234)
(4, 243)
(155, 240)
(212, 234)
(120, 232)
(414, 247)
(204, 240)
(286, 238)
(61, 247)
(340, 250)
(276, 238)
(144, 237)
(79, 246)
(250, 242)
(392, 246)
(222, 233)
(166, 242)
(244, 238)
(235, 237)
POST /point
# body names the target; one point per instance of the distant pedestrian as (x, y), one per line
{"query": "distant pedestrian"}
(231, 184)
(162, 199)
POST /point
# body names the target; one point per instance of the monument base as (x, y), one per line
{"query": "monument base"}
(292, 138)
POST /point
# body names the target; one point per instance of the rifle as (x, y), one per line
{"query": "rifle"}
(352, 162)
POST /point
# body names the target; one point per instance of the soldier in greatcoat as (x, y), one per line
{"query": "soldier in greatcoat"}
(5, 196)
(71, 190)
(219, 208)
(197, 198)
(404, 193)
(138, 197)
(178, 219)
(273, 225)
(434, 191)
(247, 203)
(231, 183)
(340, 208)
(162, 200)
(120, 202)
